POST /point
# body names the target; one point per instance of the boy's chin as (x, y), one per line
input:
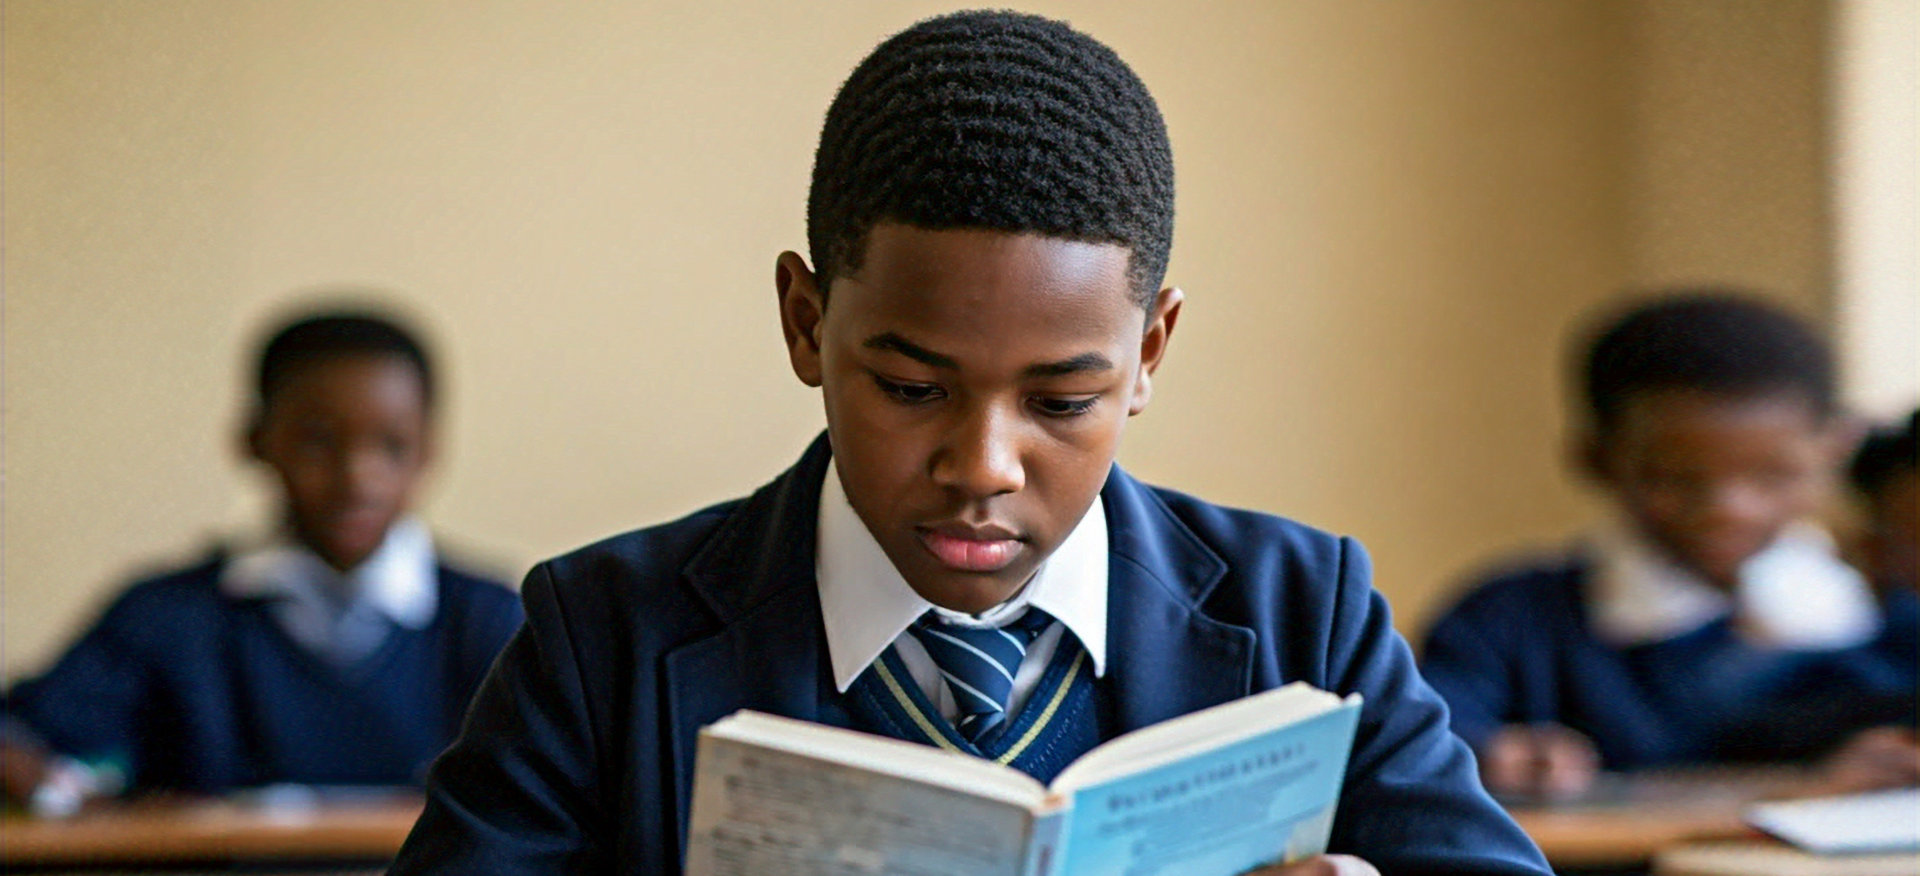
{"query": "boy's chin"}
(964, 592)
(344, 554)
(1718, 568)
(1716, 559)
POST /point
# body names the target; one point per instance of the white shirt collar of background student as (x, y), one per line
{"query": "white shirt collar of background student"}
(399, 581)
(867, 604)
(1796, 594)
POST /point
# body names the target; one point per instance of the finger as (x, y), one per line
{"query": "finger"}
(1506, 762)
(1324, 865)
(1348, 865)
(1309, 867)
(1544, 763)
(1570, 772)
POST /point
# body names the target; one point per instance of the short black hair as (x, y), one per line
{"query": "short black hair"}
(1000, 121)
(1885, 454)
(325, 336)
(1719, 341)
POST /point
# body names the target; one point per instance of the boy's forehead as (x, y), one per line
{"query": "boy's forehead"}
(960, 282)
(356, 375)
(905, 256)
(1664, 415)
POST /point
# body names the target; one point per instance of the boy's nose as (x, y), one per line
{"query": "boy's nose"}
(1735, 503)
(358, 473)
(981, 456)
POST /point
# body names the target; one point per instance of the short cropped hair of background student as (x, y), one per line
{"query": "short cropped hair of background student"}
(337, 647)
(1686, 628)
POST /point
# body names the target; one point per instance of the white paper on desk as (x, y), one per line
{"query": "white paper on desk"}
(1882, 821)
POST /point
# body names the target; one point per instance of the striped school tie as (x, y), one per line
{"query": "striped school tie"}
(979, 664)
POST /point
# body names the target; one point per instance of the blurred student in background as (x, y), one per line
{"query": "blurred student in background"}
(1695, 625)
(336, 649)
(1883, 475)
(1883, 478)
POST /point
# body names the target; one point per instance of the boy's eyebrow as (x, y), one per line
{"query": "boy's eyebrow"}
(894, 343)
(1081, 363)
(891, 341)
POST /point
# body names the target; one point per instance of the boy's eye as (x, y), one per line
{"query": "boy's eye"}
(1064, 407)
(1669, 479)
(909, 393)
(314, 441)
(1778, 478)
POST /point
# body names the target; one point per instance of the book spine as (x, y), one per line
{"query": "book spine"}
(1047, 843)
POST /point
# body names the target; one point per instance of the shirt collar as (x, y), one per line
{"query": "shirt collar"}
(399, 579)
(866, 604)
(1795, 593)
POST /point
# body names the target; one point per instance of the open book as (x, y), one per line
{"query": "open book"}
(1219, 791)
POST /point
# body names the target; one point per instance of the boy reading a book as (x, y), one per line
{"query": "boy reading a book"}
(957, 561)
(1710, 620)
(338, 649)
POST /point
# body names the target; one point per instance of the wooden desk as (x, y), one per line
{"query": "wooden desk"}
(365, 830)
(1769, 858)
(1629, 820)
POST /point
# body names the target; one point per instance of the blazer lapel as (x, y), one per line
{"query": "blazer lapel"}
(1165, 657)
(756, 574)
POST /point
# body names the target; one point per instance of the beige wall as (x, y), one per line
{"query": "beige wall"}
(1388, 213)
(1876, 162)
(1725, 150)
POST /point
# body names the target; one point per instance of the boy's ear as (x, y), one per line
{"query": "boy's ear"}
(801, 312)
(1843, 435)
(1587, 455)
(429, 443)
(1153, 344)
(251, 444)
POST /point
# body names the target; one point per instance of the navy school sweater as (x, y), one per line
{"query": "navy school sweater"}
(190, 688)
(1518, 649)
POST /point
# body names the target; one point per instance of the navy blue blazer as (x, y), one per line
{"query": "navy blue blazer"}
(578, 754)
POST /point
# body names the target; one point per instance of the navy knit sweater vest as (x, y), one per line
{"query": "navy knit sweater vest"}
(1059, 722)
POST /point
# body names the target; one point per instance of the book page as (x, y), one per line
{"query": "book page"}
(1190, 734)
(921, 763)
(1261, 800)
(760, 811)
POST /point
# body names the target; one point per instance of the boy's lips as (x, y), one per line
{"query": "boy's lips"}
(357, 524)
(966, 548)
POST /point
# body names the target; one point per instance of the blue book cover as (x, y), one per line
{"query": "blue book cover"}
(1264, 799)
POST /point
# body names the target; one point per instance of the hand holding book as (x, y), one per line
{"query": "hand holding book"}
(1324, 865)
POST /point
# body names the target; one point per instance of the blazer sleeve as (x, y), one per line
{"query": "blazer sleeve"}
(91, 703)
(1413, 804)
(1464, 664)
(516, 793)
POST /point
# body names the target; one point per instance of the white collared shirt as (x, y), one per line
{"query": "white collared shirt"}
(867, 605)
(341, 616)
(1794, 594)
